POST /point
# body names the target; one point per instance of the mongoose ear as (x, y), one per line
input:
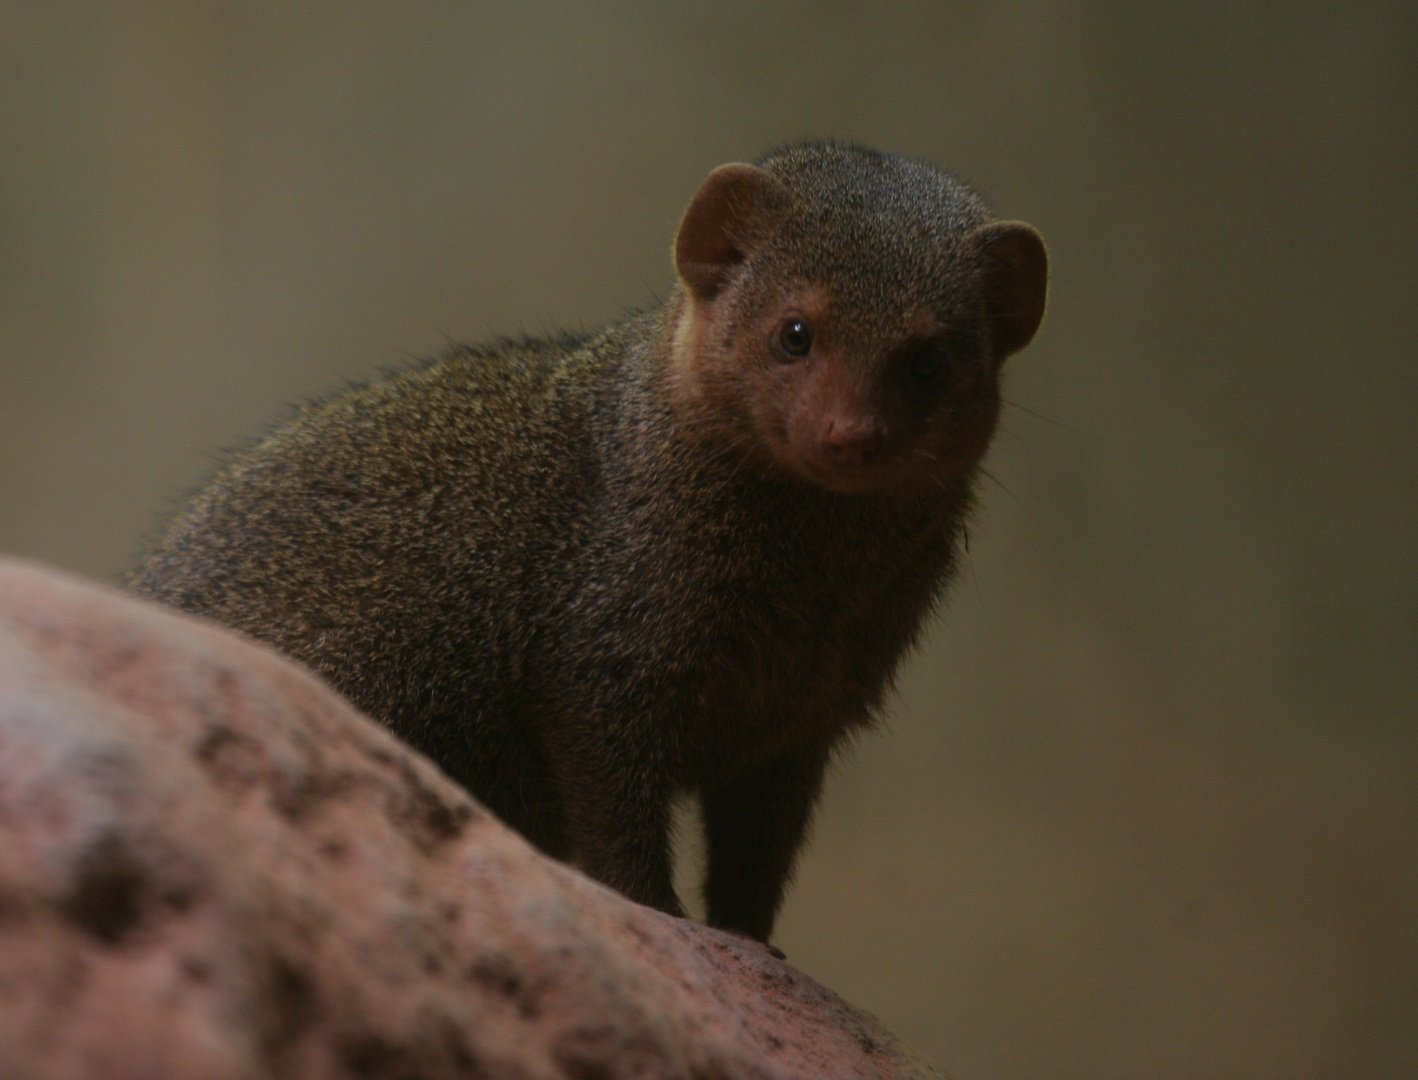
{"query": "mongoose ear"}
(1015, 275)
(717, 230)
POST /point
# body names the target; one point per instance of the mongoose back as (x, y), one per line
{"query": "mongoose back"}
(683, 554)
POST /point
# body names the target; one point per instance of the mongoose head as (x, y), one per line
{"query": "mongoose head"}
(844, 315)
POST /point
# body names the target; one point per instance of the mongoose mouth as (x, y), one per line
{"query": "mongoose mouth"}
(910, 470)
(856, 477)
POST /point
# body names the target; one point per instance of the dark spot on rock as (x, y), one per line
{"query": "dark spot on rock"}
(580, 1067)
(587, 1053)
(210, 745)
(334, 849)
(294, 796)
(297, 795)
(499, 973)
(197, 969)
(233, 760)
(438, 1050)
(418, 811)
(289, 1005)
(603, 1050)
(584, 1068)
(107, 896)
(374, 1057)
(445, 822)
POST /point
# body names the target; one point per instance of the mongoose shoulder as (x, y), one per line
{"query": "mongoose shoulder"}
(683, 554)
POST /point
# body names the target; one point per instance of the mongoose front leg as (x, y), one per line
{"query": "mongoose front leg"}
(753, 826)
(617, 800)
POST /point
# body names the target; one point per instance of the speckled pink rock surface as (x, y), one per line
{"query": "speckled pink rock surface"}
(212, 866)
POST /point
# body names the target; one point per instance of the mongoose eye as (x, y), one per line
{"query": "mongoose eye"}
(927, 363)
(795, 338)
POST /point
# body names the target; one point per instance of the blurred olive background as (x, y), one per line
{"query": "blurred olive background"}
(1147, 805)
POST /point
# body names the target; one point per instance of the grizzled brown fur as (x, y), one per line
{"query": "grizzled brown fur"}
(685, 553)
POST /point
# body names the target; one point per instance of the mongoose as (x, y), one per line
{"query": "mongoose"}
(685, 553)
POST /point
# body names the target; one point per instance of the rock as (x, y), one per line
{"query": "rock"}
(212, 866)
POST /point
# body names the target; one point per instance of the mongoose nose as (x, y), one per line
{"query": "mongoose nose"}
(851, 443)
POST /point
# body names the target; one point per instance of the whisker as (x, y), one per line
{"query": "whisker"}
(970, 562)
(1041, 416)
(992, 477)
(1004, 431)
